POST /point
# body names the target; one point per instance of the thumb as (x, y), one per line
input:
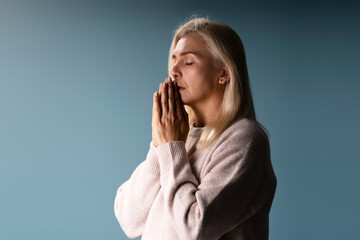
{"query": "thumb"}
(156, 106)
(185, 114)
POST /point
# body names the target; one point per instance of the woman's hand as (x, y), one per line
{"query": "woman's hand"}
(169, 118)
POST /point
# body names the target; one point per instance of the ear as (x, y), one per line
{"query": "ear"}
(225, 76)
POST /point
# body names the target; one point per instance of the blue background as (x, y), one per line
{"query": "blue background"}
(76, 85)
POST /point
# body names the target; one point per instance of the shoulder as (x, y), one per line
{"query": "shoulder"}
(244, 133)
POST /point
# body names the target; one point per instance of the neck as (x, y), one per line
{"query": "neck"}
(205, 112)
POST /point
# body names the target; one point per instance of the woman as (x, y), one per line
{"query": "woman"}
(208, 173)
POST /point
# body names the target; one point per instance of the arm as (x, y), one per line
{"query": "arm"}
(226, 195)
(134, 198)
(209, 209)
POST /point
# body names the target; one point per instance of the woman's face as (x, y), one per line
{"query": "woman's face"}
(194, 71)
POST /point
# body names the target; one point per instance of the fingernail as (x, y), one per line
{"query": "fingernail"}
(156, 94)
(163, 85)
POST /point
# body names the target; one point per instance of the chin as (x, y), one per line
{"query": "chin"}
(185, 102)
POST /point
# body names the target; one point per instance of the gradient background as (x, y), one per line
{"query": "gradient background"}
(76, 85)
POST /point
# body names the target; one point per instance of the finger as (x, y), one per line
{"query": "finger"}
(156, 107)
(160, 89)
(183, 110)
(159, 97)
(164, 99)
(171, 97)
(178, 102)
(186, 115)
(180, 107)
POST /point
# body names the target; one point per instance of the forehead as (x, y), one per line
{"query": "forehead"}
(190, 42)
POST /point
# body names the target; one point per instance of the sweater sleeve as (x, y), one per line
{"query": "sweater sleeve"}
(214, 206)
(135, 197)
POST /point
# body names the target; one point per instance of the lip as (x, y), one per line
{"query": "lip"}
(180, 88)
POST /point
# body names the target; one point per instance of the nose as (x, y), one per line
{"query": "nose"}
(175, 72)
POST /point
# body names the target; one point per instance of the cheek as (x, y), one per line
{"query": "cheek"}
(201, 79)
(198, 75)
(198, 81)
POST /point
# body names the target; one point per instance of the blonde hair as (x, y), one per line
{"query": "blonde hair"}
(227, 50)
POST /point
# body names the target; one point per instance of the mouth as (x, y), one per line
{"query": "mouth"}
(180, 88)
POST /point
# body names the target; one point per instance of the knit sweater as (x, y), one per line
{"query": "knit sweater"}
(181, 192)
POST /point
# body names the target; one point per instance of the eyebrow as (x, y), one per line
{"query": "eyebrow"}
(185, 53)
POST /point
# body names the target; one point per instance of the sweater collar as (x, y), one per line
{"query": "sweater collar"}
(195, 131)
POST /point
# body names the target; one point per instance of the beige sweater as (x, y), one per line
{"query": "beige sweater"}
(222, 192)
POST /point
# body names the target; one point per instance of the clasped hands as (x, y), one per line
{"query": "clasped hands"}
(169, 118)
